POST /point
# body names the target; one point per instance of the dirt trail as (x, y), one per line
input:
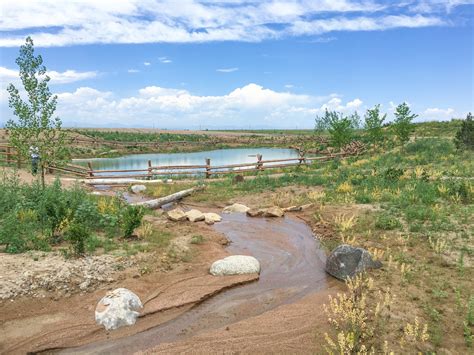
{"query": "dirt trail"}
(292, 268)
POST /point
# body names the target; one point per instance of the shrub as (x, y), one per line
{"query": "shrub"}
(464, 138)
(78, 235)
(402, 126)
(387, 222)
(131, 219)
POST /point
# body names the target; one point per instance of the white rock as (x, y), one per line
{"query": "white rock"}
(195, 215)
(118, 308)
(236, 207)
(274, 211)
(211, 218)
(235, 265)
(176, 215)
(136, 189)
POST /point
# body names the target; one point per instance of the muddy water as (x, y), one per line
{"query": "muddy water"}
(292, 266)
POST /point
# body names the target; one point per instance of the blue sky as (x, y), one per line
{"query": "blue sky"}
(240, 64)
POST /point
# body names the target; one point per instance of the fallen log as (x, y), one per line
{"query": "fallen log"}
(157, 203)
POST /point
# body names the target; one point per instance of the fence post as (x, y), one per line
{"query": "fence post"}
(8, 154)
(259, 162)
(90, 169)
(301, 158)
(208, 168)
(149, 170)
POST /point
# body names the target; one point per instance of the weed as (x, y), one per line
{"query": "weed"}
(197, 239)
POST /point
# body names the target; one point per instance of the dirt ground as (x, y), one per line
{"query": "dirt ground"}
(60, 320)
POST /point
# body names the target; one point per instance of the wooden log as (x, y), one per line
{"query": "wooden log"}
(157, 203)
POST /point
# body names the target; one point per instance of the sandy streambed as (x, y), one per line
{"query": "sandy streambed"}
(292, 268)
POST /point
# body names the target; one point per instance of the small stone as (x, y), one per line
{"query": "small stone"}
(195, 215)
(292, 209)
(254, 212)
(237, 208)
(176, 215)
(136, 189)
(211, 218)
(274, 212)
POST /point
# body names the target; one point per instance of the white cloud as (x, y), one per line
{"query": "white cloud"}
(68, 76)
(146, 64)
(437, 114)
(132, 71)
(179, 108)
(165, 60)
(289, 86)
(227, 70)
(60, 23)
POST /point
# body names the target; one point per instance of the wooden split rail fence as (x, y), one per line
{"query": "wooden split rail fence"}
(9, 156)
(207, 170)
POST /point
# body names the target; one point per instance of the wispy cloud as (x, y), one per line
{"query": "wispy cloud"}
(289, 86)
(59, 23)
(132, 71)
(146, 64)
(165, 60)
(68, 76)
(227, 70)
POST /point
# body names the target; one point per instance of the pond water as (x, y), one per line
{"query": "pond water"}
(218, 157)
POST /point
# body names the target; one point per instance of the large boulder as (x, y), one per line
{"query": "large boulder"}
(236, 207)
(136, 189)
(118, 308)
(211, 218)
(235, 265)
(195, 215)
(176, 215)
(347, 261)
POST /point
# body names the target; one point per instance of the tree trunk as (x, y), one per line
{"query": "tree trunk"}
(42, 175)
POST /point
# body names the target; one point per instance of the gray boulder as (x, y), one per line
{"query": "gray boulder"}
(347, 261)
(118, 308)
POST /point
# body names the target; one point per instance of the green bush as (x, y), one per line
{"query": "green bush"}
(464, 138)
(386, 222)
(78, 235)
(131, 219)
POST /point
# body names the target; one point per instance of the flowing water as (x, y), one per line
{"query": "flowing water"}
(218, 157)
(292, 266)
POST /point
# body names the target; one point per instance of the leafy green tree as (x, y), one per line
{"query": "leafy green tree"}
(35, 126)
(465, 135)
(402, 124)
(374, 123)
(322, 122)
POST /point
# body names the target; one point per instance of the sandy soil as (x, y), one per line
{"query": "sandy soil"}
(25, 176)
(32, 324)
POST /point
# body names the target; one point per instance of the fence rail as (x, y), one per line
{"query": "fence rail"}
(208, 170)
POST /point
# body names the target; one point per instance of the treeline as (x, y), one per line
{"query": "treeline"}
(342, 127)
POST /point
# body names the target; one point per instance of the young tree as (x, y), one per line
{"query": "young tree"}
(465, 136)
(341, 130)
(322, 122)
(373, 124)
(402, 125)
(35, 127)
